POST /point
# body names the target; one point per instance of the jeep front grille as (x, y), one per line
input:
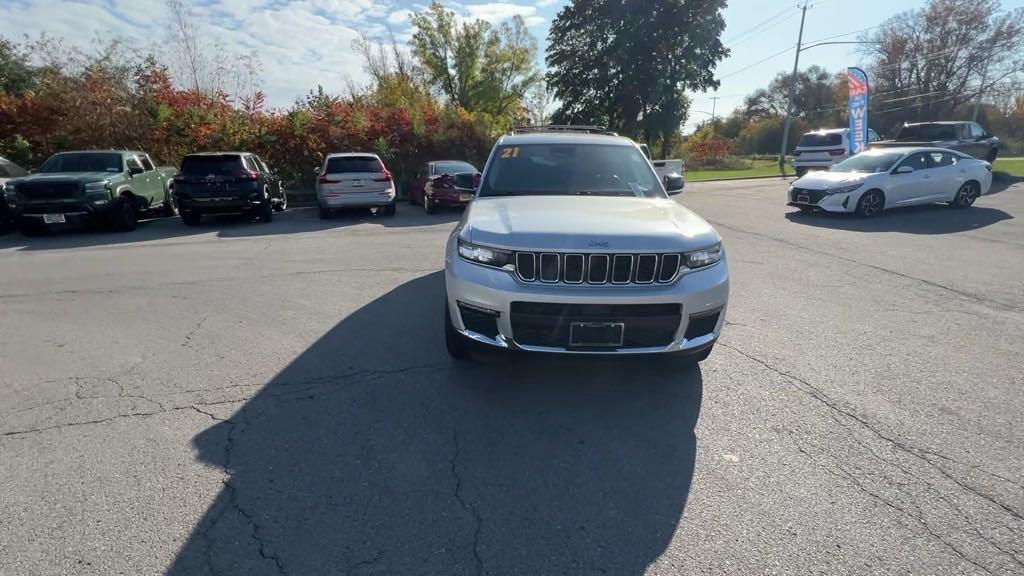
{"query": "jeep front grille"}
(48, 190)
(578, 268)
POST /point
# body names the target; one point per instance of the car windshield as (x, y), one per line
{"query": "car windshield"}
(211, 164)
(816, 139)
(926, 132)
(570, 169)
(452, 167)
(868, 163)
(343, 164)
(82, 162)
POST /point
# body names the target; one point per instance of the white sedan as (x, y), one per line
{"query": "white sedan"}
(878, 180)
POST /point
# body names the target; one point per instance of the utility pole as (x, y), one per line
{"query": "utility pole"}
(714, 102)
(792, 88)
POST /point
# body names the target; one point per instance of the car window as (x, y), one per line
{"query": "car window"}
(817, 139)
(147, 164)
(452, 168)
(570, 169)
(950, 159)
(83, 162)
(939, 159)
(871, 162)
(260, 164)
(344, 164)
(927, 132)
(976, 131)
(918, 161)
(211, 165)
(133, 163)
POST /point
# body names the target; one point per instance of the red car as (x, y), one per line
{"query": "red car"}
(444, 183)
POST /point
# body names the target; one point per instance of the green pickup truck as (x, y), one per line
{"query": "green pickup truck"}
(110, 186)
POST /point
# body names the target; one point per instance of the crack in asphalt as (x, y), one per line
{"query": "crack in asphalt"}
(365, 563)
(466, 505)
(964, 293)
(188, 337)
(918, 454)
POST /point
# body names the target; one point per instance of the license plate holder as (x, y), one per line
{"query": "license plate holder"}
(591, 334)
(465, 197)
(803, 199)
(54, 219)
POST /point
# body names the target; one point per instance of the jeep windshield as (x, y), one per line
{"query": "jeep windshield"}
(867, 163)
(569, 170)
(82, 162)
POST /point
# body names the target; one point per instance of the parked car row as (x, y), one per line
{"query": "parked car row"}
(820, 149)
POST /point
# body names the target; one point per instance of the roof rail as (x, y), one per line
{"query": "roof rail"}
(562, 128)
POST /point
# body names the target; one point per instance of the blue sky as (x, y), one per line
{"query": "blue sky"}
(308, 42)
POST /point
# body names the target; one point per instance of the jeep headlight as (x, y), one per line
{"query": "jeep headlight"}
(702, 258)
(484, 255)
(844, 189)
(10, 196)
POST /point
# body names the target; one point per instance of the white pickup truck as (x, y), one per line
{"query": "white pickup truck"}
(664, 168)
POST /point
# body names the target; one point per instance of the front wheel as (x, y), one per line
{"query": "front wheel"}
(966, 195)
(266, 211)
(457, 344)
(125, 218)
(282, 204)
(170, 204)
(428, 206)
(991, 157)
(390, 209)
(870, 204)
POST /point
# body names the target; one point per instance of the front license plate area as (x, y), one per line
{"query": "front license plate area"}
(465, 197)
(53, 219)
(803, 199)
(607, 334)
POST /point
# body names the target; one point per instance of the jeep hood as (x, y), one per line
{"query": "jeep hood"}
(586, 223)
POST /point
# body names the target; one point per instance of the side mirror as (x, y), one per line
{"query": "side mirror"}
(674, 184)
(904, 170)
(316, 170)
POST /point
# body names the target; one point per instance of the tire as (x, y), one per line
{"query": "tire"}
(191, 218)
(170, 203)
(125, 216)
(266, 211)
(428, 206)
(390, 209)
(282, 204)
(871, 204)
(800, 171)
(458, 345)
(966, 195)
(325, 213)
(992, 154)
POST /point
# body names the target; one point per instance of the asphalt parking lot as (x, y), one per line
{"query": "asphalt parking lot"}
(245, 398)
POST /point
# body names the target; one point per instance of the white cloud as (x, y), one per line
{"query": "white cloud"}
(498, 11)
(399, 16)
(547, 2)
(534, 20)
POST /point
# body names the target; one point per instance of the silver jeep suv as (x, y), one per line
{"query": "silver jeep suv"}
(572, 245)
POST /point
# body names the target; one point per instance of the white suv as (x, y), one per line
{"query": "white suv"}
(355, 180)
(821, 149)
(573, 246)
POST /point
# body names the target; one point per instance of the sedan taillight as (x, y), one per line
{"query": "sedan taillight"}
(384, 177)
(326, 180)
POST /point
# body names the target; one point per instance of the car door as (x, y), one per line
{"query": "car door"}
(979, 141)
(139, 184)
(946, 176)
(910, 187)
(154, 182)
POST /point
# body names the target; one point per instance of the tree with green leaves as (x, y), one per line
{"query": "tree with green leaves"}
(628, 65)
(475, 66)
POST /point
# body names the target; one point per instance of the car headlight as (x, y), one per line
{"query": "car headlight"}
(702, 258)
(97, 186)
(484, 255)
(844, 189)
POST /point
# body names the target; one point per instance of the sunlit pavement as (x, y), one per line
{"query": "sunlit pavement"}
(246, 398)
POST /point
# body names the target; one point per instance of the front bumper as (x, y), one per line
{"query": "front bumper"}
(74, 210)
(356, 199)
(841, 203)
(450, 199)
(701, 294)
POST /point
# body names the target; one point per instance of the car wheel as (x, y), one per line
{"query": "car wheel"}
(871, 204)
(458, 345)
(266, 213)
(992, 155)
(170, 203)
(428, 206)
(325, 213)
(966, 195)
(282, 204)
(191, 218)
(125, 218)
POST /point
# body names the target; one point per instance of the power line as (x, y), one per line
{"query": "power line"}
(756, 26)
(844, 34)
(763, 30)
(745, 68)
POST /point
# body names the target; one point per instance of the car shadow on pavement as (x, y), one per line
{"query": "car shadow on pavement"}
(929, 219)
(373, 453)
(293, 221)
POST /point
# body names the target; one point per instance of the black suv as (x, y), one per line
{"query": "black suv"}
(227, 183)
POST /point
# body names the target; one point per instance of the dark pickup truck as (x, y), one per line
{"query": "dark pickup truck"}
(111, 186)
(966, 137)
